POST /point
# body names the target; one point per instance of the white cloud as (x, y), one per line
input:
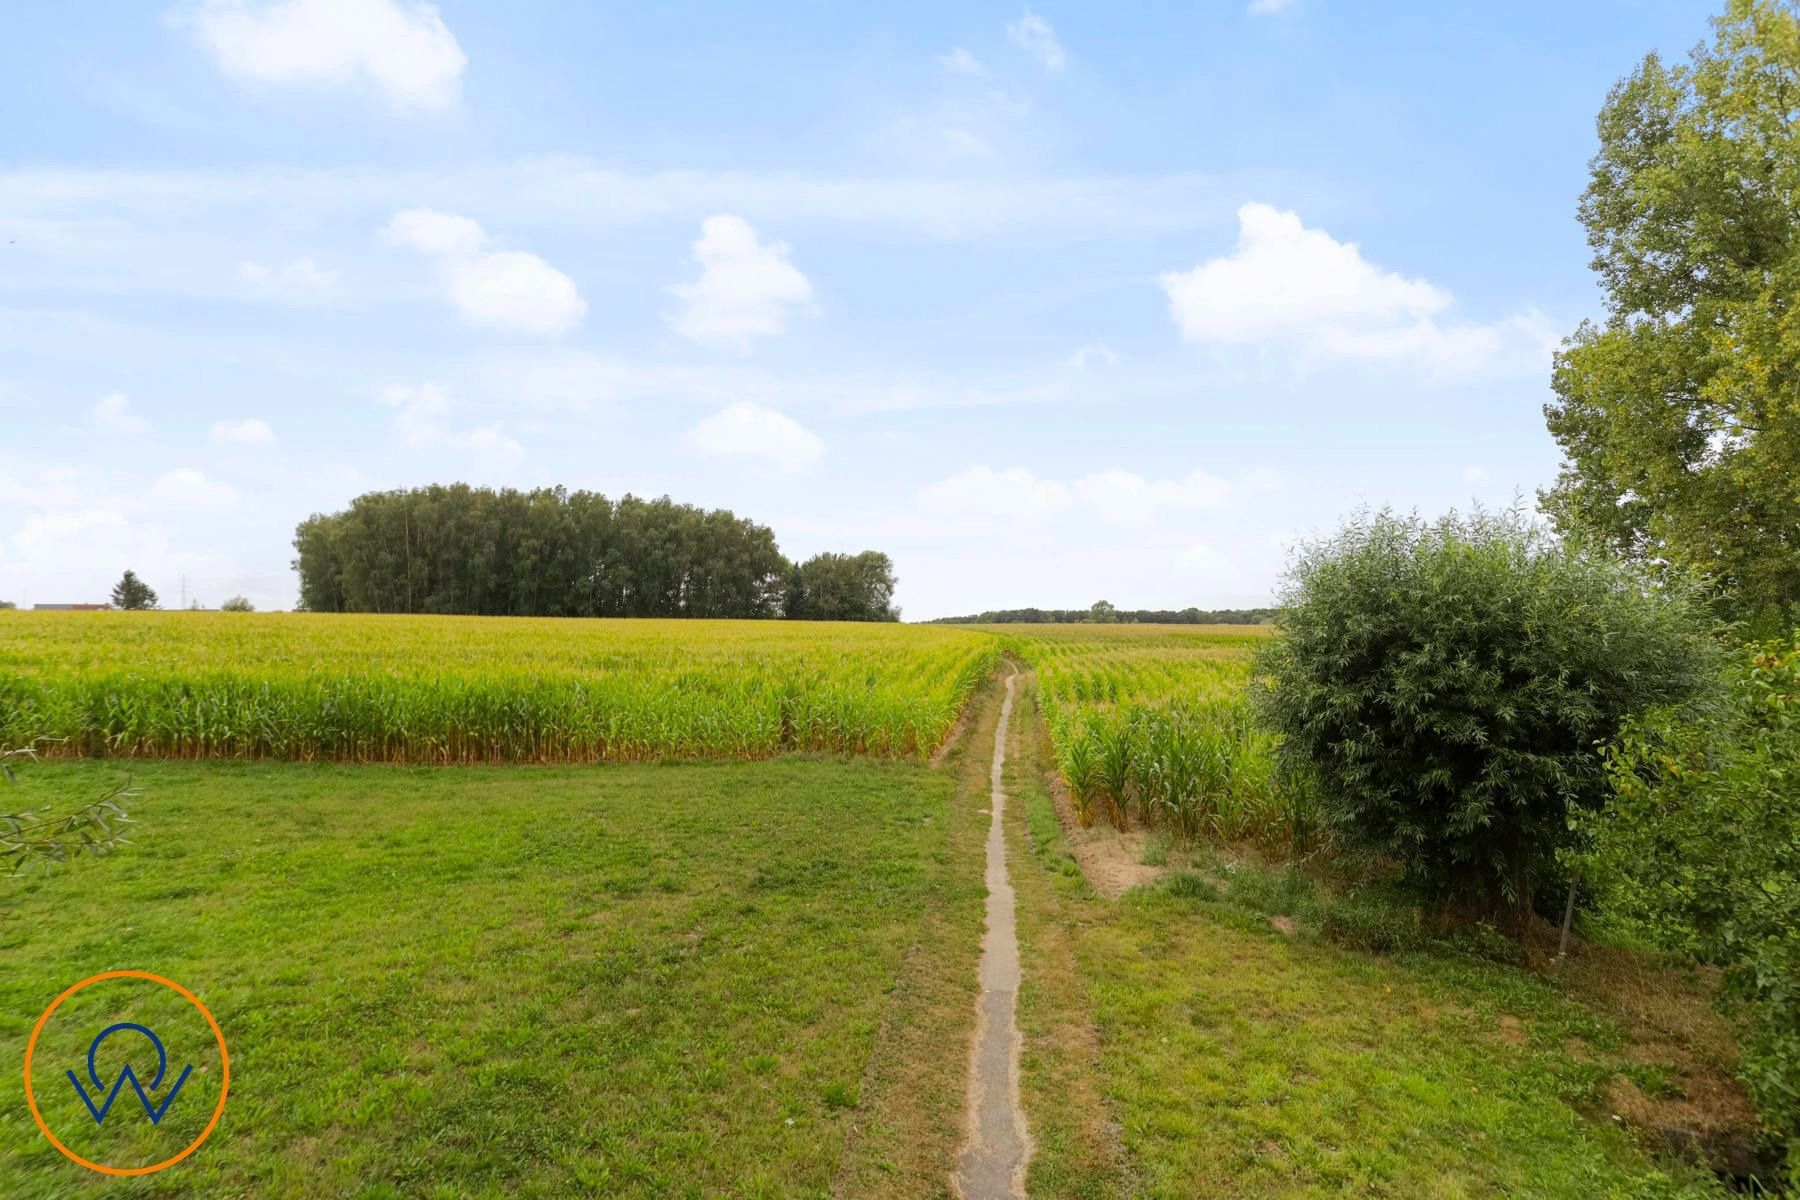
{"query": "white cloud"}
(1093, 352)
(251, 431)
(438, 233)
(753, 431)
(747, 288)
(300, 279)
(111, 416)
(422, 422)
(1285, 283)
(1113, 497)
(1032, 34)
(960, 62)
(496, 289)
(1264, 8)
(190, 490)
(403, 48)
(1475, 475)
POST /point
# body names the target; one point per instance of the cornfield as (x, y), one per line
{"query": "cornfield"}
(1151, 726)
(478, 689)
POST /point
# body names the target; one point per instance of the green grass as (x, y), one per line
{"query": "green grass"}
(1215, 1056)
(549, 981)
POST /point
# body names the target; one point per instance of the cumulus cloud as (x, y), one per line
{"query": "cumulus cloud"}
(1266, 8)
(1093, 352)
(1285, 283)
(431, 232)
(1113, 497)
(752, 431)
(960, 62)
(252, 431)
(495, 289)
(422, 422)
(298, 280)
(1032, 34)
(111, 416)
(403, 48)
(747, 287)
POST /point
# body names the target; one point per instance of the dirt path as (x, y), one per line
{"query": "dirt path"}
(998, 1147)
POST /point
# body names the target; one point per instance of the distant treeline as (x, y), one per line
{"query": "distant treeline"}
(551, 552)
(1123, 616)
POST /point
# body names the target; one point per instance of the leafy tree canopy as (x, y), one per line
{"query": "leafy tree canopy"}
(1679, 415)
(553, 552)
(842, 587)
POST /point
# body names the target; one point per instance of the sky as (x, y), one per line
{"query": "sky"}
(1052, 303)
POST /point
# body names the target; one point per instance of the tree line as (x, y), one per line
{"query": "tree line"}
(1121, 616)
(551, 552)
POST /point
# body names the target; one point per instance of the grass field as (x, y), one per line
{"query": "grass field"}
(757, 978)
(1179, 1044)
(547, 981)
(477, 689)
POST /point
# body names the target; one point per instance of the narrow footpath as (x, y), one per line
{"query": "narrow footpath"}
(998, 1147)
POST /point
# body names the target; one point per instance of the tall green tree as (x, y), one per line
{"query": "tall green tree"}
(133, 593)
(1679, 414)
(842, 587)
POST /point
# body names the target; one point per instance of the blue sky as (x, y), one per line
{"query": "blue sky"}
(1051, 303)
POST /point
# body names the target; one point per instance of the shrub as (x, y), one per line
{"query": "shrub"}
(1701, 847)
(1446, 684)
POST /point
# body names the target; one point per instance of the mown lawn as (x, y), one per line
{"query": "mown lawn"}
(1179, 1045)
(627, 981)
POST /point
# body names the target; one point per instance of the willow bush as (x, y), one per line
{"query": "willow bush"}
(1448, 684)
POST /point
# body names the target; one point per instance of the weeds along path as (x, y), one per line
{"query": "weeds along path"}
(998, 1147)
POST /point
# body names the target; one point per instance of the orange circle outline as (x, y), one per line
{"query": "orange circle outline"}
(224, 1083)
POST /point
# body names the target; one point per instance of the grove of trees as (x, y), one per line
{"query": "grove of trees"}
(553, 552)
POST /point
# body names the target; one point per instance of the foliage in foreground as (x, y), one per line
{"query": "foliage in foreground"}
(39, 836)
(1701, 844)
(1676, 416)
(1446, 684)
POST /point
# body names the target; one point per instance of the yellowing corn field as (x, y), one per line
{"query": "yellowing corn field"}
(1151, 725)
(478, 689)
